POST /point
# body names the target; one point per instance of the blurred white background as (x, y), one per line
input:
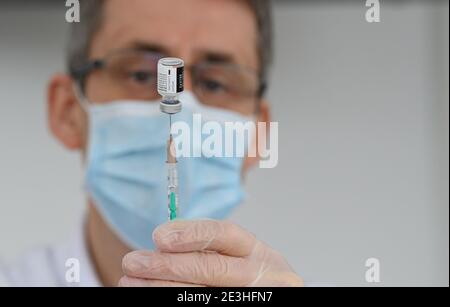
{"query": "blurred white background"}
(363, 115)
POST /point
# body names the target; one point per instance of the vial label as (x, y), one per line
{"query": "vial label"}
(180, 79)
(170, 79)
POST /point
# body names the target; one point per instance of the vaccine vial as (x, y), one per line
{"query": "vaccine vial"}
(170, 84)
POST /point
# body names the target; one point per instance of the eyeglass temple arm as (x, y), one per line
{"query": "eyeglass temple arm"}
(261, 92)
(80, 74)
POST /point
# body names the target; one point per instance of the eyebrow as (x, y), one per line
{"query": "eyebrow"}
(212, 56)
(218, 57)
(151, 47)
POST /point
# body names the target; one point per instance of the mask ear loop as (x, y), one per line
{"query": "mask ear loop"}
(84, 103)
(82, 100)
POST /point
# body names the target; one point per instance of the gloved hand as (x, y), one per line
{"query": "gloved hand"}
(206, 253)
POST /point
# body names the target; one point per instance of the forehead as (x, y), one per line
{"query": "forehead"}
(189, 29)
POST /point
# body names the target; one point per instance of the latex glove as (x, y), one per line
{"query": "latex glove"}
(207, 253)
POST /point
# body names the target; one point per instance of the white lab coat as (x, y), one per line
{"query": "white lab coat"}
(47, 266)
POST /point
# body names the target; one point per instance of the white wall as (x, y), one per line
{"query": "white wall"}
(363, 113)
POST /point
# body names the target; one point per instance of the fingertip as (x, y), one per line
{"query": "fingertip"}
(124, 282)
(135, 261)
(161, 230)
(126, 260)
(164, 236)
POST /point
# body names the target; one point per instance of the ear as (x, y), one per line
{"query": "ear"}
(264, 115)
(66, 119)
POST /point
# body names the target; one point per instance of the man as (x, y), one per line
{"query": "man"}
(97, 110)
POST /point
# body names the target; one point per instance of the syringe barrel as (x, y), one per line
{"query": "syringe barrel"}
(172, 191)
(172, 175)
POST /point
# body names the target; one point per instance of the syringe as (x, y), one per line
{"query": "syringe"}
(170, 84)
(172, 178)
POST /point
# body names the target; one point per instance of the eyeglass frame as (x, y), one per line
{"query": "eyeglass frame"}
(80, 74)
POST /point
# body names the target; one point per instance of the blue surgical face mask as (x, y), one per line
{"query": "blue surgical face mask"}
(126, 174)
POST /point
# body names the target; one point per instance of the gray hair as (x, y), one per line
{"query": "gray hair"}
(91, 15)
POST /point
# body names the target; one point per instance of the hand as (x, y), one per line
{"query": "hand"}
(206, 253)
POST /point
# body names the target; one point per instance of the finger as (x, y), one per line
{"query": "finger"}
(220, 236)
(138, 282)
(203, 268)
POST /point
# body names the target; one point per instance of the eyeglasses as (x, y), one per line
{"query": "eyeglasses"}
(132, 74)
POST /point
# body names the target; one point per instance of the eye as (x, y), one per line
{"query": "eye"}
(142, 77)
(213, 86)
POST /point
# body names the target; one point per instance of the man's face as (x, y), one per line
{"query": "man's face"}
(197, 31)
(194, 30)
